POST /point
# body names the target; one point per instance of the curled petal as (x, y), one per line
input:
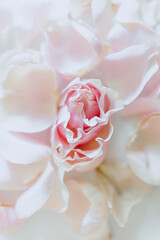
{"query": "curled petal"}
(141, 64)
(63, 39)
(80, 135)
(35, 197)
(28, 92)
(89, 221)
(123, 36)
(103, 16)
(59, 198)
(16, 149)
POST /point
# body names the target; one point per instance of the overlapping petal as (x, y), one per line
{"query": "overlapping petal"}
(28, 93)
(143, 150)
(63, 39)
(90, 221)
(35, 196)
(79, 135)
(121, 189)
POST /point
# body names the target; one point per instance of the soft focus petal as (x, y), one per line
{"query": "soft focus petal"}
(123, 36)
(29, 93)
(145, 12)
(8, 218)
(121, 188)
(71, 48)
(143, 150)
(89, 221)
(17, 149)
(143, 223)
(103, 16)
(36, 196)
(59, 198)
(44, 224)
(128, 71)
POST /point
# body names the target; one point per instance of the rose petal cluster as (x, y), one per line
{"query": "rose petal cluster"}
(83, 124)
(79, 110)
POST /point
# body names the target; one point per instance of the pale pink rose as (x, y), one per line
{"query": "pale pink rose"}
(83, 124)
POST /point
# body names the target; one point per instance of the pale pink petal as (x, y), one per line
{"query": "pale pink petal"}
(94, 223)
(103, 16)
(29, 94)
(59, 198)
(36, 196)
(89, 220)
(123, 36)
(140, 11)
(20, 150)
(142, 106)
(71, 48)
(8, 218)
(128, 71)
(144, 151)
(121, 188)
(129, 11)
(28, 17)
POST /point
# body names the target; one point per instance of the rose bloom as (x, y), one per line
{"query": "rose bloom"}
(83, 124)
(124, 57)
